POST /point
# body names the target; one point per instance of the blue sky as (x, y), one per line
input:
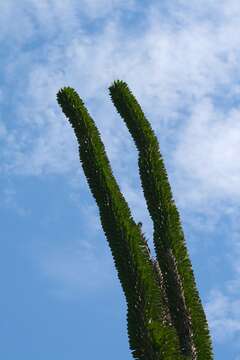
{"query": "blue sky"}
(60, 295)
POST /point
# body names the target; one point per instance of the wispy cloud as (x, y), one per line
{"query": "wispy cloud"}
(207, 152)
(180, 70)
(182, 63)
(224, 316)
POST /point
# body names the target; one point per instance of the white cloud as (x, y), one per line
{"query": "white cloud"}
(48, 19)
(223, 315)
(223, 306)
(178, 70)
(207, 153)
(183, 67)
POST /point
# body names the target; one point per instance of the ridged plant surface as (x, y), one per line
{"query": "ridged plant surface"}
(165, 317)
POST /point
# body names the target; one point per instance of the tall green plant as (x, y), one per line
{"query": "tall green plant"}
(165, 317)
